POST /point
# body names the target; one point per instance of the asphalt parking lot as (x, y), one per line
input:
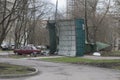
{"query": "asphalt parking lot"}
(62, 71)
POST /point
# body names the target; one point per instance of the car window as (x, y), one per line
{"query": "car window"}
(34, 48)
(28, 48)
(22, 48)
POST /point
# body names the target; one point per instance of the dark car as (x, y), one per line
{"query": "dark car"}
(31, 50)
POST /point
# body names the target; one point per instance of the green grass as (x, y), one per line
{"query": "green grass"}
(14, 69)
(76, 60)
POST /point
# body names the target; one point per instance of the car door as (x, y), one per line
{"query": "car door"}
(28, 50)
(24, 50)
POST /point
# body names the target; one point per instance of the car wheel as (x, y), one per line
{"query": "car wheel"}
(31, 54)
(34, 54)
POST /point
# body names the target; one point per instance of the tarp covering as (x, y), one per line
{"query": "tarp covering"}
(101, 45)
(52, 36)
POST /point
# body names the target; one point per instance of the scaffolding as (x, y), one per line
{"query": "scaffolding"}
(75, 9)
(70, 8)
(66, 38)
(71, 36)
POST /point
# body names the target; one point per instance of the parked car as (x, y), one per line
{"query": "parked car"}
(31, 50)
(5, 46)
(45, 52)
(44, 49)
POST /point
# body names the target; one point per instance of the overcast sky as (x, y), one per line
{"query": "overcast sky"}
(61, 3)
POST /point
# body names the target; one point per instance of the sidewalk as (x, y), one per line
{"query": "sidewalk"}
(86, 56)
(99, 57)
(5, 53)
(41, 57)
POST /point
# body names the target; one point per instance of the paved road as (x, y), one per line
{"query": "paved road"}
(5, 53)
(60, 71)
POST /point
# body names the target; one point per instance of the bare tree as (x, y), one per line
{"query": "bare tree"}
(42, 10)
(94, 18)
(6, 17)
(21, 22)
(30, 13)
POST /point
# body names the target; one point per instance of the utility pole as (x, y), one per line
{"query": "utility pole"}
(34, 23)
(32, 27)
(56, 10)
(86, 21)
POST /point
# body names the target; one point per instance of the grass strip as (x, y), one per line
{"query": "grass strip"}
(14, 69)
(112, 63)
(78, 59)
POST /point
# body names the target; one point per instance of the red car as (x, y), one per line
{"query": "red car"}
(27, 50)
